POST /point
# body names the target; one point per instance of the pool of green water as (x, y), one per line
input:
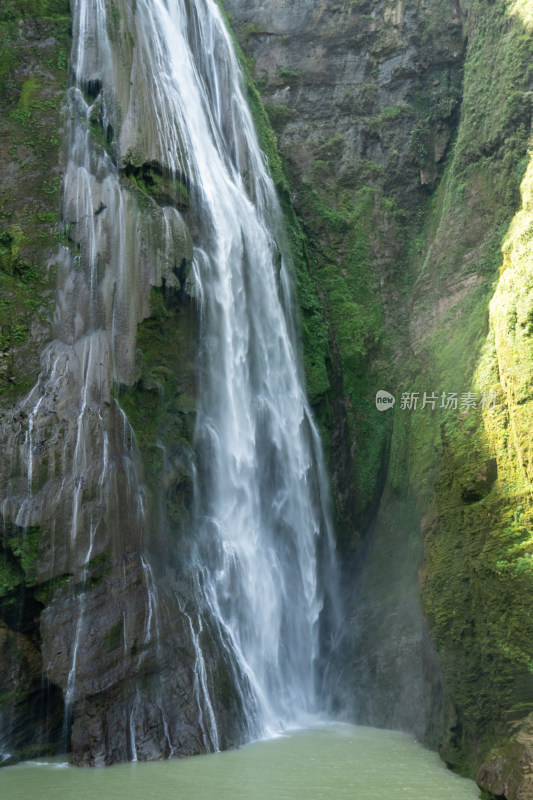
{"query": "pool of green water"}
(327, 762)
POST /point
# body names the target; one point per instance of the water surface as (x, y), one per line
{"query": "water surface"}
(331, 762)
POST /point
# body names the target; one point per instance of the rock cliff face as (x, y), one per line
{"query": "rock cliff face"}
(403, 128)
(135, 632)
(33, 65)
(98, 632)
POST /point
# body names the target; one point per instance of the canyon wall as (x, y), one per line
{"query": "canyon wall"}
(397, 134)
(404, 129)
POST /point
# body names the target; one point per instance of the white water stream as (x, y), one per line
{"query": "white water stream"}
(261, 497)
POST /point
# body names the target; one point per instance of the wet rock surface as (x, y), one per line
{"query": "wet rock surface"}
(407, 106)
(508, 771)
(101, 463)
(355, 71)
(364, 97)
(95, 658)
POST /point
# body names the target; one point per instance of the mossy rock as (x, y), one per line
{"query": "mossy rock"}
(157, 183)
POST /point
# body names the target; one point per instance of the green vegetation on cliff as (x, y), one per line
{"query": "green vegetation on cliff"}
(478, 577)
(32, 86)
(35, 43)
(406, 208)
(361, 213)
(466, 468)
(316, 355)
(161, 405)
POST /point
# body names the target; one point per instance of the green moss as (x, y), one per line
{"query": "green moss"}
(487, 122)
(113, 638)
(478, 587)
(102, 134)
(19, 548)
(249, 30)
(20, 282)
(161, 405)
(10, 575)
(32, 83)
(278, 115)
(316, 351)
(354, 313)
(288, 76)
(368, 97)
(477, 581)
(158, 184)
(387, 117)
(43, 593)
(28, 93)
(99, 562)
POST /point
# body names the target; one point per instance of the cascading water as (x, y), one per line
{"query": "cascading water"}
(260, 497)
(161, 77)
(261, 502)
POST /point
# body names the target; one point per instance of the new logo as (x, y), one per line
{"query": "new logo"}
(384, 400)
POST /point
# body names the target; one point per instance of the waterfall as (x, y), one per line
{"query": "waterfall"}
(260, 491)
(162, 82)
(261, 498)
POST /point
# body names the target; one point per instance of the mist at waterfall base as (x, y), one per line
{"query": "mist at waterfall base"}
(217, 637)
